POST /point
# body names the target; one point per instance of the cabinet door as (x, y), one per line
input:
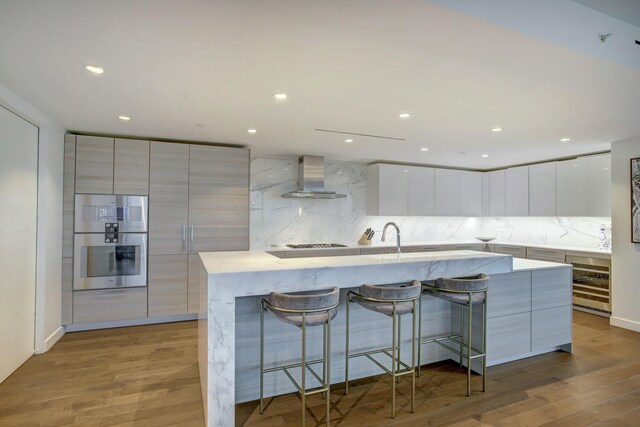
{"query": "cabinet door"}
(94, 165)
(422, 190)
(599, 185)
(131, 167)
(393, 190)
(218, 199)
(68, 195)
(447, 192)
(485, 194)
(193, 290)
(168, 198)
(497, 193)
(542, 189)
(571, 188)
(471, 197)
(517, 191)
(167, 285)
(551, 327)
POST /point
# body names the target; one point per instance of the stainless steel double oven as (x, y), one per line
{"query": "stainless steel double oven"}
(110, 241)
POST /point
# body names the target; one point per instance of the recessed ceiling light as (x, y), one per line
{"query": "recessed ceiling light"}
(496, 129)
(252, 130)
(576, 165)
(404, 115)
(94, 69)
(424, 149)
(605, 169)
(348, 141)
(406, 170)
(280, 96)
(124, 118)
(565, 140)
(462, 153)
(484, 156)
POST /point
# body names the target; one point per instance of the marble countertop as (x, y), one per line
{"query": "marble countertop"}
(531, 264)
(391, 243)
(259, 261)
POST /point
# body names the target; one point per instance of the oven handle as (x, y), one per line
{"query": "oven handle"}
(191, 238)
(184, 238)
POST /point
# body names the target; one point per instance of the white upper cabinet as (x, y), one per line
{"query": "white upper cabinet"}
(387, 191)
(517, 191)
(471, 195)
(542, 189)
(422, 191)
(497, 193)
(599, 184)
(447, 192)
(485, 194)
(572, 187)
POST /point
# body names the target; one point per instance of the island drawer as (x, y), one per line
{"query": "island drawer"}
(515, 251)
(551, 255)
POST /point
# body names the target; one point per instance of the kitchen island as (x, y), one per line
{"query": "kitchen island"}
(529, 313)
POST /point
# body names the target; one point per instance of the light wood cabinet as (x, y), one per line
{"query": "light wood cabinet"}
(193, 290)
(549, 288)
(542, 189)
(168, 198)
(94, 165)
(67, 291)
(599, 185)
(218, 199)
(544, 254)
(421, 191)
(131, 167)
(167, 285)
(471, 196)
(514, 251)
(551, 327)
(68, 194)
(109, 305)
(572, 188)
(517, 191)
(497, 193)
(447, 192)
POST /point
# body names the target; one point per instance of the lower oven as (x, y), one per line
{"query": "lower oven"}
(104, 261)
(591, 284)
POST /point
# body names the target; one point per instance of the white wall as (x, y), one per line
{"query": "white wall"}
(49, 252)
(625, 260)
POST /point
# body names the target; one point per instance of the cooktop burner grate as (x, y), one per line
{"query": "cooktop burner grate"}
(316, 246)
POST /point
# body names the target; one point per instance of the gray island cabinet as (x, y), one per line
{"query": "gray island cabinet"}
(529, 312)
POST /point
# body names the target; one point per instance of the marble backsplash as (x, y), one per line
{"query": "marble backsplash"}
(276, 221)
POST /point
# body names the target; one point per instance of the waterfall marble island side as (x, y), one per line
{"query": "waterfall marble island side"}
(231, 284)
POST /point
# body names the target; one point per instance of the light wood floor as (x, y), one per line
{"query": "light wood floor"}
(148, 376)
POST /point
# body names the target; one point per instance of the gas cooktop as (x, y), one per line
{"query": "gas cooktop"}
(316, 246)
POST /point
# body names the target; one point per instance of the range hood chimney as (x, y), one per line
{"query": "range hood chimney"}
(311, 180)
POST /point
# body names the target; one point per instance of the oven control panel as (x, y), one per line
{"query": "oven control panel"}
(111, 232)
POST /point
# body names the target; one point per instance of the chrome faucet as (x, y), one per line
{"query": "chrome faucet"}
(384, 233)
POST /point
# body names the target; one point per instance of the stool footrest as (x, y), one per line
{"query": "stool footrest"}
(323, 387)
(439, 340)
(407, 369)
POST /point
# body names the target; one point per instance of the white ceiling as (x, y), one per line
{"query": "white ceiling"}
(207, 71)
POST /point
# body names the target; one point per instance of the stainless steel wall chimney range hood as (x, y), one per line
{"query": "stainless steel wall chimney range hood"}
(311, 180)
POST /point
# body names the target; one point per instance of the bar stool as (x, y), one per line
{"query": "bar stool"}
(303, 309)
(394, 300)
(464, 292)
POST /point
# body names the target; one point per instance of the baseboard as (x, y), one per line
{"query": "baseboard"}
(135, 322)
(625, 323)
(51, 340)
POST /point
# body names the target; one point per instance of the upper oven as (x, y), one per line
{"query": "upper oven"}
(110, 260)
(127, 214)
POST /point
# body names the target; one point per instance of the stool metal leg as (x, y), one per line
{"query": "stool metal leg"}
(346, 350)
(484, 343)
(413, 358)
(393, 364)
(469, 348)
(419, 334)
(327, 358)
(461, 334)
(399, 345)
(261, 357)
(304, 367)
(324, 357)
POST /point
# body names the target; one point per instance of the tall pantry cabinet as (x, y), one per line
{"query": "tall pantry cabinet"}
(198, 202)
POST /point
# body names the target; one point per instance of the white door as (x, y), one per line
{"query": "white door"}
(18, 211)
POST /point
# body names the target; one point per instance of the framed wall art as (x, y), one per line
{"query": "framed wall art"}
(635, 200)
